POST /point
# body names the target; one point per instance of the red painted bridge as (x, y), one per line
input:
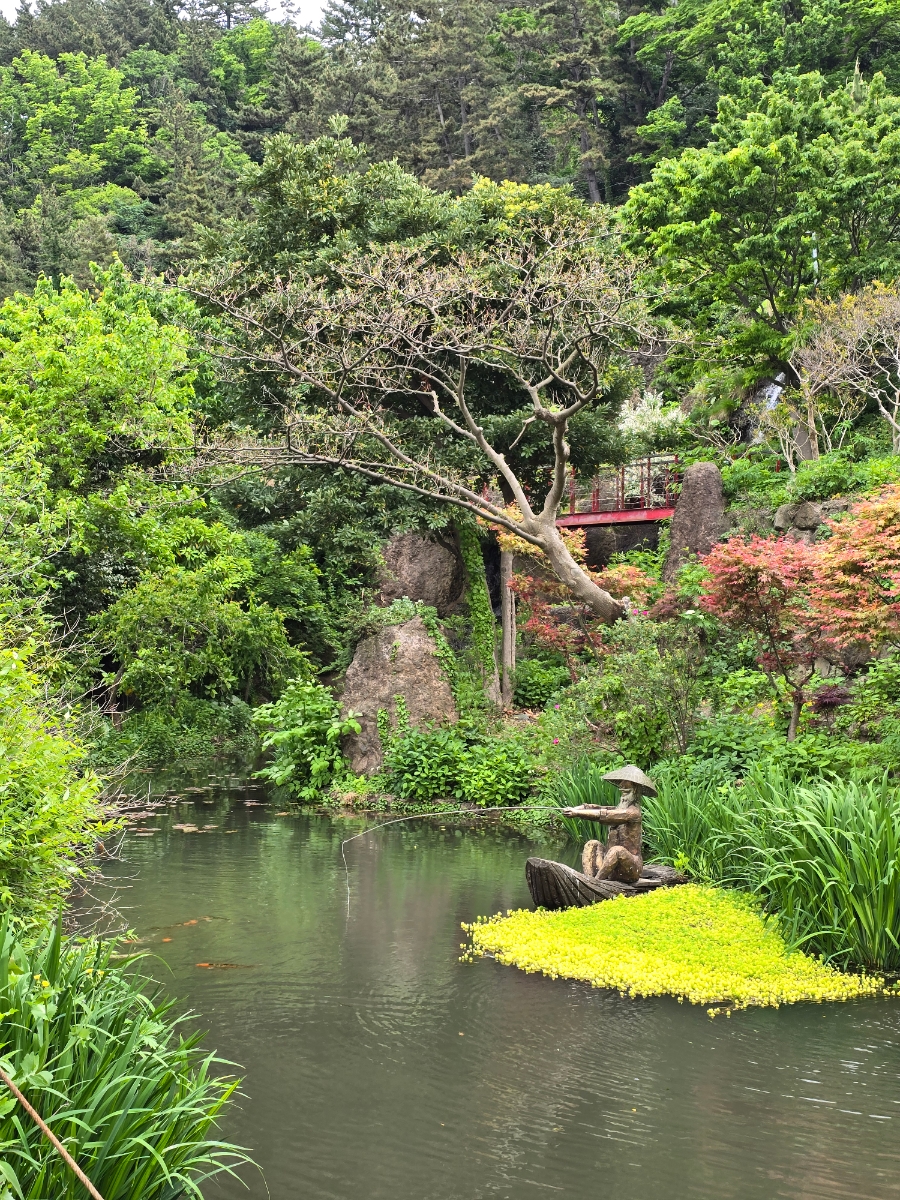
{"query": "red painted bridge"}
(643, 490)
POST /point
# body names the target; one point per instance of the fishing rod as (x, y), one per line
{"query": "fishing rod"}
(444, 812)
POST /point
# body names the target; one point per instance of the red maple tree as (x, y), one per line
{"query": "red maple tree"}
(856, 594)
(764, 586)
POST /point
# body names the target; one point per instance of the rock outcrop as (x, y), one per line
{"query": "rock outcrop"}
(422, 569)
(399, 660)
(603, 541)
(803, 520)
(699, 519)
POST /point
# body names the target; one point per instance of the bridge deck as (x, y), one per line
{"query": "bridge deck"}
(618, 516)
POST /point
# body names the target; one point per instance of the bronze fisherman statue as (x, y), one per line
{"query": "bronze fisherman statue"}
(620, 859)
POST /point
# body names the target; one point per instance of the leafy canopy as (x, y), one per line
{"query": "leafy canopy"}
(82, 376)
(798, 192)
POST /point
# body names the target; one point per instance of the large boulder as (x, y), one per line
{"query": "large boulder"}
(603, 541)
(422, 569)
(400, 660)
(699, 519)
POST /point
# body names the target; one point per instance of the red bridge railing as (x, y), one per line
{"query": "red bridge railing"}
(643, 490)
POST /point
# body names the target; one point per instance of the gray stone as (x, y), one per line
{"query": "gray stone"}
(784, 517)
(831, 508)
(422, 569)
(807, 515)
(399, 660)
(800, 520)
(699, 519)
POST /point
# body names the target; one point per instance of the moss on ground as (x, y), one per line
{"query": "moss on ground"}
(701, 944)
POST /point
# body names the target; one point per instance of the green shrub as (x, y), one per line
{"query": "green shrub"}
(424, 764)
(106, 1066)
(304, 727)
(186, 731)
(754, 482)
(821, 478)
(495, 772)
(537, 682)
(736, 744)
(650, 689)
(49, 809)
(182, 631)
(875, 697)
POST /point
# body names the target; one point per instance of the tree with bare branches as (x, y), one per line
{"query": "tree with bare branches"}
(392, 370)
(853, 353)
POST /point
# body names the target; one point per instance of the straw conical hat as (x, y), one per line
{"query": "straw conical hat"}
(632, 774)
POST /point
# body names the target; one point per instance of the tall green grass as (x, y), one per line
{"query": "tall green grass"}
(824, 854)
(827, 858)
(104, 1064)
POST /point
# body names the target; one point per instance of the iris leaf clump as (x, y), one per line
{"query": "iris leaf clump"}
(133, 1101)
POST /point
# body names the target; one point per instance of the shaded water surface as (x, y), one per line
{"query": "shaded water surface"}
(378, 1067)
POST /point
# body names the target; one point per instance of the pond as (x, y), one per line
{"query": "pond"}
(378, 1066)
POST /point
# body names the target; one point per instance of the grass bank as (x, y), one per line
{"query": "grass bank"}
(133, 1099)
(702, 944)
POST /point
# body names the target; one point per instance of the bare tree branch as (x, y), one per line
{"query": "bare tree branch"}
(559, 318)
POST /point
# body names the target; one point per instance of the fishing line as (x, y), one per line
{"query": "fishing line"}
(444, 812)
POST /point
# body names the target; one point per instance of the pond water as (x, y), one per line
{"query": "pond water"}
(377, 1066)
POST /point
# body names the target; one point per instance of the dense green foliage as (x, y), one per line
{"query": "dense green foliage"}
(49, 817)
(795, 194)
(428, 765)
(106, 1065)
(304, 727)
(170, 574)
(132, 123)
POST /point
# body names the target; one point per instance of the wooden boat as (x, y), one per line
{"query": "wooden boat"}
(553, 885)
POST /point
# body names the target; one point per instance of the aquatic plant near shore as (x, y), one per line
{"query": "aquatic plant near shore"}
(50, 810)
(304, 727)
(104, 1065)
(701, 944)
(824, 855)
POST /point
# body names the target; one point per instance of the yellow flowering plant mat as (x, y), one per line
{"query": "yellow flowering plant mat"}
(701, 944)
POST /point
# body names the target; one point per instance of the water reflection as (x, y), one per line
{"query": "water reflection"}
(379, 1066)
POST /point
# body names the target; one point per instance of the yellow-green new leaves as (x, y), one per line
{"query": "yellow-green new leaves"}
(701, 944)
(72, 120)
(84, 374)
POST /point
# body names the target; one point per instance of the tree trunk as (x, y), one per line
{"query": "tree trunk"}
(508, 626)
(796, 709)
(464, 123)
(568, 572)
(587, 166)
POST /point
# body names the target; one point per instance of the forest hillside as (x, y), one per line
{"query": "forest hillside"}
(311, 335)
